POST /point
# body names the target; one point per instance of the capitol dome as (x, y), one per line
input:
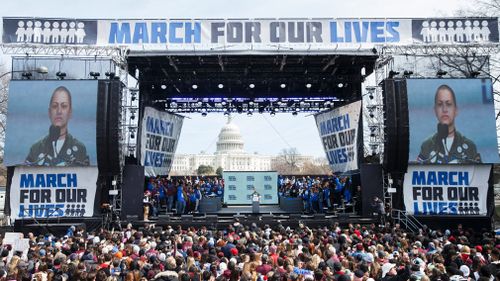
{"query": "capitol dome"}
(230, 140)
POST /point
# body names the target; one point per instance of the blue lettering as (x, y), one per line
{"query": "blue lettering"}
(27, 180)
(377, 32)
(435, 208)
(418, 178)
(361, 32)
(40, 180)
(172, 36)
(334, 34)
(193, 35)
(119, 35)
(463, 178)
(141, 33)
(391, 30)
(158, 32)
(451, 178)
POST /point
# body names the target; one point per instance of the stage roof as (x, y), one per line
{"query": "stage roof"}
(252, 76)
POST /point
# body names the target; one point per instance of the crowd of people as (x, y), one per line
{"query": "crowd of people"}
(320, 193)
(249, 252)
(180, 193)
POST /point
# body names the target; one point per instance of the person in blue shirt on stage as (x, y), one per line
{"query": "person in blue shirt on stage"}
(181, 199)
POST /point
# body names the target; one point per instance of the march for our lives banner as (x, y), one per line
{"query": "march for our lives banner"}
(446, 189)
(338, 129)
(38, 192)
(160, 133)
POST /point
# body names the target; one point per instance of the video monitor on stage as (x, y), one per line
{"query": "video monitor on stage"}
(51, 123)
(451, 121)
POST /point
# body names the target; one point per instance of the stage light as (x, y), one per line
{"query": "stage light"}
(132, 116)
(61, 75)
(295, 113)
(474, 74)
(371, 96)
(163, 86)
(252, 85)
(340, 85)
(407, 73)
(308, 85)
(204, 114)
(220, 86)
(249, 114)
(372, 115)
(283, 85)
(392, 74)
(363, 71)
(194, 86)
(273, 113)
(95, 75)
(110, 75)
(132, 135)
(173, 104)
(440, 73)
(26, 75)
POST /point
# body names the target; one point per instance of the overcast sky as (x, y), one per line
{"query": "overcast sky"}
(261, 133)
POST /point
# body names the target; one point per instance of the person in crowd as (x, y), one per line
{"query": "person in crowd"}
(240, 251)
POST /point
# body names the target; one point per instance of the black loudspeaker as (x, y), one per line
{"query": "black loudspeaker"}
(396, 130)
(390, 129)
(371, 185)
(403, 129)
(108, 126)
(132, 191)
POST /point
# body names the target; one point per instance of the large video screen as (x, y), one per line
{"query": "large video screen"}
(451, 121)
(51, 123)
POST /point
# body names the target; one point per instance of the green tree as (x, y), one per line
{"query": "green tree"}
(219, 171)
(205, 170)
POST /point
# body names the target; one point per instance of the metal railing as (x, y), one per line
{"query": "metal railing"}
(405, 220)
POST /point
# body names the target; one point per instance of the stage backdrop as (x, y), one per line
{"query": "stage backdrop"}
(338, 129)
(446, 189)
(160, 133)
(48, 192)
(239, 187)
(474, 120)
(28, 124)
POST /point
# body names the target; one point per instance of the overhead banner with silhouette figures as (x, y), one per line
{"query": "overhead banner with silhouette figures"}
(338, 129)
(160, 133)
(452, 121)
(455, 30)
(53, 192)
(51, 123)
(250, 35)
(446, 189)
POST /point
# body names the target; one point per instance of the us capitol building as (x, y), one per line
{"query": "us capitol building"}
(229, 154)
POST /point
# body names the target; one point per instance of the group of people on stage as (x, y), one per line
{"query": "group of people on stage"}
(319, 193)
(182, 194)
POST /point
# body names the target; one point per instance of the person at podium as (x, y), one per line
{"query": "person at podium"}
(447, 145)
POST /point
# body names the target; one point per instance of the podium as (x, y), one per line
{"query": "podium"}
(255, 203)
